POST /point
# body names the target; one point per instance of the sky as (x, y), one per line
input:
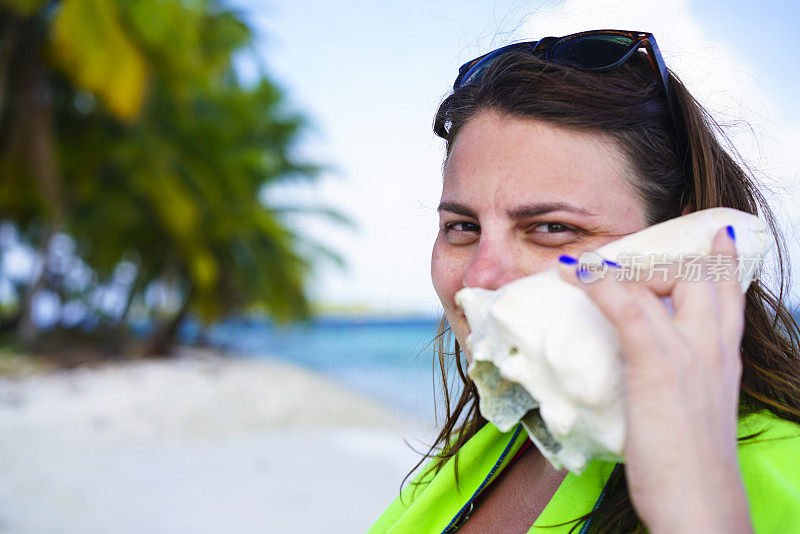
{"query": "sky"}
(370, 75)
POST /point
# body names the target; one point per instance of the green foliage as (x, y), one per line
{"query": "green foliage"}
(163, 154)
(22, 7)
(91, 47)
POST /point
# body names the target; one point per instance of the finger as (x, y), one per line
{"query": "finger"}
(697, 296)
(730, 299)
(687, 279)
(636, 313)
(658, 274)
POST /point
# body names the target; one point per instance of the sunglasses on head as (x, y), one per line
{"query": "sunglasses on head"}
(596, 50)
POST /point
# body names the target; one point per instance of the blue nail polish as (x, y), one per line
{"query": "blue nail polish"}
(611, 263)
(567, 260)
(731, 233)
(582, 274)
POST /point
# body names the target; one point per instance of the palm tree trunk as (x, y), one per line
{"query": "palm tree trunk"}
(37, 133)
(163, 338)
(8, 38)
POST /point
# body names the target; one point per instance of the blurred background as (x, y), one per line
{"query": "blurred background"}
(215, 227)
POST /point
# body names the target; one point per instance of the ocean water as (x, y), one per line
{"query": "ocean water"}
(388, 359)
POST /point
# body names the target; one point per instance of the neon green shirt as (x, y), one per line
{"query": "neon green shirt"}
(770, 466)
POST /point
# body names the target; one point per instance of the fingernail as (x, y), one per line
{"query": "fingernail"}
(611, 263)
(731, 233)
(567, 260)
(583, 275)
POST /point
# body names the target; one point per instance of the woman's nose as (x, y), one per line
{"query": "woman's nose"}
(493, 265)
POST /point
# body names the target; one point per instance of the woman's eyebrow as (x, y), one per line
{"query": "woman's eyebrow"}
(533, 210)
(457, 208)
(521, 212)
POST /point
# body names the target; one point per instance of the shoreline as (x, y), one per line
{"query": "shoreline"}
(197, 443)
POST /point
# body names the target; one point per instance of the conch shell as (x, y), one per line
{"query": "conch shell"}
(545, 356)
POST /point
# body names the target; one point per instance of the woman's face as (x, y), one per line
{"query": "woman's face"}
(517, 194)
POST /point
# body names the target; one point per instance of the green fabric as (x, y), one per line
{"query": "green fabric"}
(429, 506)
(770, 465)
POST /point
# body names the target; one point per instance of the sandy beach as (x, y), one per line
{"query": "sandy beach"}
(196, 444)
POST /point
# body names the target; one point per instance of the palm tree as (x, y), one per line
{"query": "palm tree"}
(153, 151)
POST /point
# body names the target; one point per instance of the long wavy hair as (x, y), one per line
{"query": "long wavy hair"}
(678, 161)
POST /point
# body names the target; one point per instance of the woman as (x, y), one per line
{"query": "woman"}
(557, 147)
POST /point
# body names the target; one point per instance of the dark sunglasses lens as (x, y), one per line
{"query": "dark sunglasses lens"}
(473, 71)
(465, 69)
(591, 51)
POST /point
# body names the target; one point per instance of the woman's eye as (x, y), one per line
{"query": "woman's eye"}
(462, 226)
(551, 228)
(461, 232)
(552, 233)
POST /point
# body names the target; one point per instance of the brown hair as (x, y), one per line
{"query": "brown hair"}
(678, 163)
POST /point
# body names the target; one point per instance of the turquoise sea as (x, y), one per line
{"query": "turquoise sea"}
(389, 359)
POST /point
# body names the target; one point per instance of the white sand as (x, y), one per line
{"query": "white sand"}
(197, 445)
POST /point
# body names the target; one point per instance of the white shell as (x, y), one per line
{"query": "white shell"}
(544, 355)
